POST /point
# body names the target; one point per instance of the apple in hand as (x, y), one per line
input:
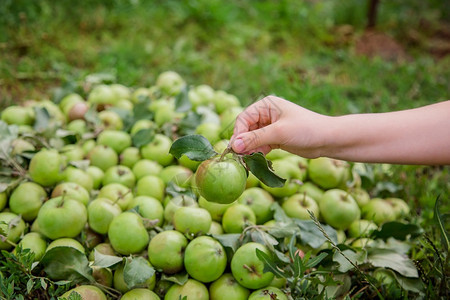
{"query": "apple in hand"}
(101, 212)
(338, 208)
(226, 287)
(192, 221)
(61, 217)
(11, 228)
(221, 181)
(247, 269)
(27, 199)
(166, 251)
(298, 205)
(205, 259)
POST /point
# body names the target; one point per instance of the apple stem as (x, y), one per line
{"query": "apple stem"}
(63, 197)
(227, 150)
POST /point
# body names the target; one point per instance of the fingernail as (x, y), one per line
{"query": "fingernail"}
(239, 145)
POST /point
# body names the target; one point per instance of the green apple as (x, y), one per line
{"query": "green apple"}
(130, 156)
(170, 83)
(158, 150)
(121, 285)
(201, 95)
(18, 115)
(191, 289)
(97, 176)
(326, 172)
(311, 190)
(361, 228)
(216, 210)
(338, 208)
(110, 120)
(12, 227)
(175, 203)
(165, 113)
(77, 111)
(379, 211)
(88, 145)
(145, 167)
(101, 212)
(221, 145)
(176, 173)
(252, 181)
(260, 202)
(36, 243)
(103, 157)
(400, 207)
(268, 293)
(385, 276)
(216, 228)
(72, 152)
(120, 91)
(362, 242)
(142, 124)
(102, 94)
(166, 251)
(188, 163)
(78, 126)
(71, 190)
(119, 174)
(149, 208)
(66, 242)
(192, 221)
(3, 200)
(361, 196)
(290, 171)
(226, 287)
(211, 131)
(69, 100)
(117, 193)
(18, 146)
(73, 174)
(222, 101)
(116, 139)
(140, 294)
(298, 205)
(139, 94)
(127, 233)
(227, 121)
(46, 167)
(152, 186)
(247, 269)
(90, 292)
(103, 248)
(205, 259)
(103, 276)
(221, 181)
(27, 199)
(237, 217)
(275, 154)
(61, 217)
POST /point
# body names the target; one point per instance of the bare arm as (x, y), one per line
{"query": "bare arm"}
(415, 136)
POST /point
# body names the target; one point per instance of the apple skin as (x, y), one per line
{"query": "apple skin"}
(211, 131)
(338, 208)
(176, 173)
(188, 163)
(86, 292)
(102, 94)
(127, 233)
(268, 293)
(192, 221)
(61, 217)
(247, 269)
(166, 251)
(216, 228)
(379, 211)
(237, 217)
(145, 167)
(361, 228)
(400, 207)
(78, 126)
(66, 242)
(27, 199)
(97, 176)
(103, 157)
(205, 259)
(18, 115)
(36, 243)
(72, 152)
(13, 227)
(72, 174)
(192, 289)
(170, 83)
(311, 190)
(119, 174)
(117, 193)
(149, 208)
(326, 172)
(260, 202)
(116, 139)
(45, 167)
(158, 150)
(101, 212)
(226, 287)
(174, 204)
(290, 171)
(140, 294)
(221, 181)
(297, 206)
(216, 210)
(361, 196)
(3, 200)
(103, 248)
(151, 186)
(130, 156)
(71, 190)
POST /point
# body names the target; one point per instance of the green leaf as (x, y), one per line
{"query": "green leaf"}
(67, 263)
(356, 258)
(414, 285)
(182, 103)
(311, 235)
(179, 278)
(174, 190)
(439, 219)
(397, 230)
(8, 133)
(269, 264)
(30, 285)
(230, 240)
(43, 283)
(386, 258)
(264, 238)
(141, 111)
(137, 271)
(189, 123)
(195, 146)
(42, 119)
(297, 263)
(91, 116)
(316, 260)
(143, 137)
(259, 166)
(105, 261)
(279, 214)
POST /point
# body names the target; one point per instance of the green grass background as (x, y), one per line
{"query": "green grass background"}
(289, 48)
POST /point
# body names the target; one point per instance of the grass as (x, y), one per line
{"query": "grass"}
(292, 49)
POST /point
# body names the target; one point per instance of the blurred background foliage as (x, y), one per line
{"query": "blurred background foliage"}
(315, 53)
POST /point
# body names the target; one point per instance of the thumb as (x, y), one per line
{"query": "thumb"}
(256, 140)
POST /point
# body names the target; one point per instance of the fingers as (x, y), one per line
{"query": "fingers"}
(260, 139)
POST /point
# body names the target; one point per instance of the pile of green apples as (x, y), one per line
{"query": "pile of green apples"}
(94, 172)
